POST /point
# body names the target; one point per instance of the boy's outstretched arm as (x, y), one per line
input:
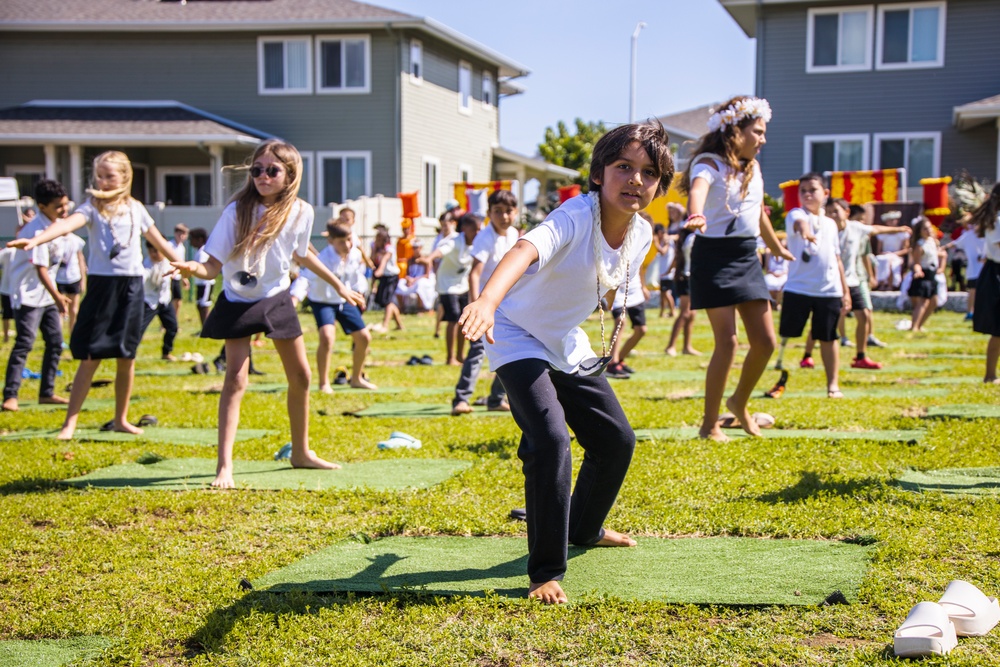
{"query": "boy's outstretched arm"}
(55, 230)
(771, 239)
(477, 318)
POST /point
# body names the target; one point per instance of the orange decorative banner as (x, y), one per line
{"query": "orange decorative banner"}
(490, 186)
(862, 187)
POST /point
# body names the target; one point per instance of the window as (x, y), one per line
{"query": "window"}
(464, 87)
(307, 190)
(342, 64)
(284, 66)
(487, 89)
(910, 36)
(847, 152)
(430, 186)
(918, 153)
(344, 175)
(27, 177)
(464, 173)
(185, 186)
(416, 61)
(839, 40)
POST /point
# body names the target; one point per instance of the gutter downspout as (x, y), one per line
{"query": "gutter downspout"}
(397, 104)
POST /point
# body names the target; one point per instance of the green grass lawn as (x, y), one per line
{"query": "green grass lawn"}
(157, 573)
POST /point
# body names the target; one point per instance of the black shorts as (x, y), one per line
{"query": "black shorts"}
(70, 288)
(8, 310)
(857, 299)
(386, 290)
(203, 295)
(682, 287)
(986, 315)
(453, 305)
(923, 288)
(796, 309)
(666, 286)
(636, 315)
(175, 290)
(274, 316)
(970, 283)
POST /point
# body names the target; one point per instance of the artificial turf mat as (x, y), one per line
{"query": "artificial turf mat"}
(186, 474)
(690, 433)
(850, 392)
(954, 481)
(719, 570)
(49, 652)
(89, 404)
(891, 368)
(278, 387)
(165, 435)
(420, 410)
(964, 411)
(674, 375)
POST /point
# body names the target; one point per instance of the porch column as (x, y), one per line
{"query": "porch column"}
(218, 157)
(76, 173)
(50, 162)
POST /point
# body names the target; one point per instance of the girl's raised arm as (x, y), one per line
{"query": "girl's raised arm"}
(154, 236)
(58, 228)
(477, 318)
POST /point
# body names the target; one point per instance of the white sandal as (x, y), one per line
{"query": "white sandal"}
(927, 630)
(973, 613)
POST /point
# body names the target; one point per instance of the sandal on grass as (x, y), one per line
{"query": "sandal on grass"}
(834, 393)
(147, 420)
(927, 630)
(400, 440)
(969, 609)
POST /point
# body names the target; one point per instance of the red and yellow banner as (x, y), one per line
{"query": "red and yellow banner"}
(861, 187)
(491, 187)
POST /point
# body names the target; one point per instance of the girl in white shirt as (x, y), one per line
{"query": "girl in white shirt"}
(109, 325)
(261, 232)
(924, 265)
(726, 196)
(986, 315)
(530, 311)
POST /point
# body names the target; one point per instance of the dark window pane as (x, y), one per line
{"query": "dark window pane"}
(333, 180)
(355, 177)
(139, 184)
(331, 66)
(896, 37)
(822, 157)
(825, 28)
(274, 65)
(355, 64)
(202, 190)
(178, 189)
(892, 153)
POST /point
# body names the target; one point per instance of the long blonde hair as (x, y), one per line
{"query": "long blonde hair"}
(109, 201)
(722, 142)
(254, 235)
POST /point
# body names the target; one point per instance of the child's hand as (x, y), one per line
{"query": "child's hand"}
(62, 304)
(352, 297)
(847, 305)
(186, 269)
(21, 244)
(476, 320)
(785, 253)
(695, 223)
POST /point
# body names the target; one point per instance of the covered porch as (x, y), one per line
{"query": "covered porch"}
(978, 113)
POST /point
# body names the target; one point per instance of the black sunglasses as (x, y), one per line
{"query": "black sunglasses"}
(272, 171)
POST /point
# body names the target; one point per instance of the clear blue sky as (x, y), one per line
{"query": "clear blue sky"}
(690, 53)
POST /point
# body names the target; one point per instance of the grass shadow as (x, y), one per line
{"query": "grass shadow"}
(812, 484)
(501, 448)
(30, 485)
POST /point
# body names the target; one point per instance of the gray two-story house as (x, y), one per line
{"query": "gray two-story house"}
(876, 85)
(377, 101)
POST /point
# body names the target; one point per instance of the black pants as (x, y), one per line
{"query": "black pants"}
(168, 318)
(543, 401)
(28, 320)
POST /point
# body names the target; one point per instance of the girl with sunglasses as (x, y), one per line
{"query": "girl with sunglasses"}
(109, 325)
(261, 232)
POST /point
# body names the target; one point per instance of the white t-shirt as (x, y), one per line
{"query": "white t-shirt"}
(724, 201)
(489, 248)
(667, 261)
(201, 256)
(975, 251)
(299, 289)
(271, 269)
(541, 315)
(891, 242)
(181, 253)
(928, 255)
(456, 259)
(852, 240)
(129, 223)
(155, 288)
(350, 270)
(992, 242)
(6, 254)
(70, 270)
(630, 297)
(26, 286)
(391, 267)
(820, 276)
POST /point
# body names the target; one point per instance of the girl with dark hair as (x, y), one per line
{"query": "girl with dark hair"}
(986, 315)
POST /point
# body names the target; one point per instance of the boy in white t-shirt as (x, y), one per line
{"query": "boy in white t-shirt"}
(203, 288)
(71, 278)
(178, 284)
(974, 248)
(453, 281)
(816, 283)
(488, 248)
(157, 291)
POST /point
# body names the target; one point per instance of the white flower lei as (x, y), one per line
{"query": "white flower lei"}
(614, 279)
(748, 107)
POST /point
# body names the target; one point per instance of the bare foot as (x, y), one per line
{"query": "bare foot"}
(10, 405)
(548, 593)
(326, 389)
(612, 538)
(224, 479)
(713, 433)
(66, 433)
(310, 460)
(362, 383)
(671, 352)
(693, 352)
(746, 420)
(454, 362)
(986, 380)
(834, 392)
(51, 400)
(125, 427)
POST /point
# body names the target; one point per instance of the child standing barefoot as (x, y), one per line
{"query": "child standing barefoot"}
(530, 311)
(260, 232)
(986, 314)
(109, 325)
(726, 196)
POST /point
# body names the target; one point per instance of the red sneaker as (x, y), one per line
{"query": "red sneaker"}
(807, 362)
(865, 362)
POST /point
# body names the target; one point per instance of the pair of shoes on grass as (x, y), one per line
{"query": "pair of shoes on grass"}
(400, 440)
(145, 420)
(933, 628)
(420, 361)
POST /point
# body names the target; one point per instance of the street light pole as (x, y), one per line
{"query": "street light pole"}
(635, 51)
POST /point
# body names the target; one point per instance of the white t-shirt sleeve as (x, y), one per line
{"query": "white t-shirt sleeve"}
(482, 246)
(222, 240)
(304, 231)
(549, 237)
(708, 173)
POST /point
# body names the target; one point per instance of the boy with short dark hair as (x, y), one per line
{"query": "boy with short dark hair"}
(203, 288)
(177, 283)
(37, 303)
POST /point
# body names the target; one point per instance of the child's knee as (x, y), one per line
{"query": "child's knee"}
(299, 377)
(641, 330)
(236, 382)
(362, 336)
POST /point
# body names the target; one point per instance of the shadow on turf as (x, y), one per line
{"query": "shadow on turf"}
(503, 449)
(30, 485)
(812, 484)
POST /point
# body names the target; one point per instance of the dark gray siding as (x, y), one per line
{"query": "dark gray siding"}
(919, 100)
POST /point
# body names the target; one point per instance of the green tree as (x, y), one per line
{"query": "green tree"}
(572, 150)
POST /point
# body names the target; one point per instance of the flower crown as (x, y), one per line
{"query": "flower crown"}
(748, 107)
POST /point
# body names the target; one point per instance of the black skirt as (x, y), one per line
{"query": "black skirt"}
(986, 312)
(726, 272)
(925, 288)
(386, 290)
(109, 325)
(273, 316)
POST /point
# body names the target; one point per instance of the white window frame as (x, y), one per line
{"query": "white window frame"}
(417, 48)
(343, 90)
(810, 139)
(839, 11)
(198, 170)
(309, 175)
(261, 90)
(462, 107)
(880, 35)
(425, 186)
(877, 154)
(489, 90)
(322, 156)
(465, 173)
